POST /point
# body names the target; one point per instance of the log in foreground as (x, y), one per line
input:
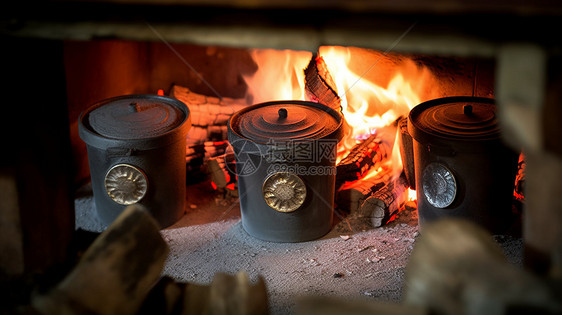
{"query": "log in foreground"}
(339, 306)
(227, 294)
(457, 268)
(116, 272)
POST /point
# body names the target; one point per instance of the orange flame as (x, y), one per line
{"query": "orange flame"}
(375, 89)
(280, 75)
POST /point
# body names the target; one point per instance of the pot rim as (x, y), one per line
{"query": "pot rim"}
(92, 138)
(449, 145)
(233, 135)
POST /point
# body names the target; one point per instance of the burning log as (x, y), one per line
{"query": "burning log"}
(457, 268)
(209, 115)
(406, 145)
(116, 272)
(351, 195)
(319, 84)
(371, 152)
(381, 205)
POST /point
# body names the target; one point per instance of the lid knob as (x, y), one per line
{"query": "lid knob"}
(134, 107)
(282, 113)
(467, 109)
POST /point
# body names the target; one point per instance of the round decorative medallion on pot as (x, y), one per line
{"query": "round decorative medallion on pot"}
(285, 161)
(439, 185)
(462, 167)
(125, 184)
(284, 192)
(136, 151)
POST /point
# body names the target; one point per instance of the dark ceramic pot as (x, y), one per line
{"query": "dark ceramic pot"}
(136, 152)
(462, 167)
(285, 161)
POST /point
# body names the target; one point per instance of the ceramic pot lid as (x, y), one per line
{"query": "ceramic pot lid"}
(283, 121)
(136, 117)
(454, 119)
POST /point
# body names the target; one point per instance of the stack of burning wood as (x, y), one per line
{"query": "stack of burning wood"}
(371, 198)
(374, 198)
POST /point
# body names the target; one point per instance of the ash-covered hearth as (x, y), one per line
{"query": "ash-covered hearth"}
(354, 261)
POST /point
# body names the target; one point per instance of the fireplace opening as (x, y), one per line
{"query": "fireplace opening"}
(363, 256)
(374, 90)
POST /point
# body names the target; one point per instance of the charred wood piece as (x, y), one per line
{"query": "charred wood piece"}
(221, 171)
(380, 206)
(198, 154)
(351, 195)
(406, 146)
(371, 152)
(209, 115)
(319, 85)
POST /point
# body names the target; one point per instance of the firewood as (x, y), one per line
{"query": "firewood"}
(227, 294)
(117, 271)
(200, 134)
(371, 152)
(406, 146)
(381, 205)
(166, 297)
(319, 85)
(234, 295)
(219, 173)
(209, 115)
(457, 268)
(351, 195)
(339, 306)
(209, 148)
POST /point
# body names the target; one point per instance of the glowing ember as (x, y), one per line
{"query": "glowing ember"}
(412, 195)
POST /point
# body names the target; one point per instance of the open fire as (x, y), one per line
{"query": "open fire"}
(374, 90)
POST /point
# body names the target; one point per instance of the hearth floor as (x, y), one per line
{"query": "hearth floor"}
(350, 262)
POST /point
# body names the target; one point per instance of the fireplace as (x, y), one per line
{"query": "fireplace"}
(85, 58)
